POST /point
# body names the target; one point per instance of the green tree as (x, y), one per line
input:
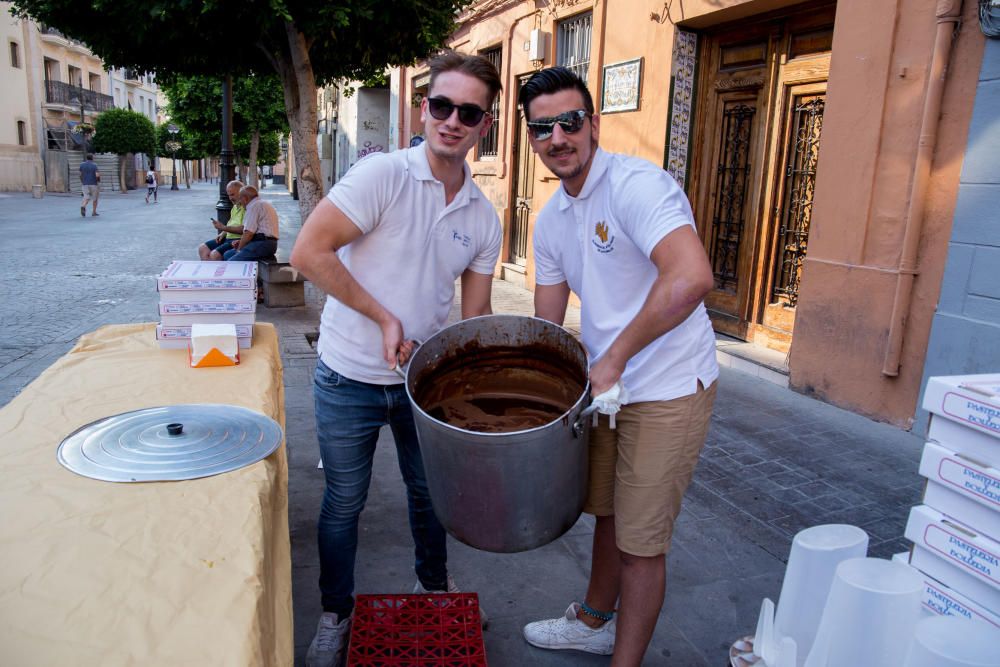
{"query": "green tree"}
(189, 150)
(122, 131)
(259, 103)
(304, 42)
(270, 149)
(258, 108)
(193, 105)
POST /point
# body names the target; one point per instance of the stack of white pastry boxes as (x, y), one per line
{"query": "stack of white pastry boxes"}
(206, 293)
(956, 531)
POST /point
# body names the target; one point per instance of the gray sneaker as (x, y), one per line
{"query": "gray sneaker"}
(330, 643)
(453, 588)
(570, 632)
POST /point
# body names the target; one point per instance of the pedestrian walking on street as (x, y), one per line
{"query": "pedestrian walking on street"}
(151, 184)
(90, 179)
(387, 245)
(620, 234)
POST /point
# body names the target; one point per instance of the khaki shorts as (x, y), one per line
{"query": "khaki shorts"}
(640, 471)
(91, 193)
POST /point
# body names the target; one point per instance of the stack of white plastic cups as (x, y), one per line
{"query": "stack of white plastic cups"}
(812, 564)
(950, 641)
(840, 609)
(870, 615)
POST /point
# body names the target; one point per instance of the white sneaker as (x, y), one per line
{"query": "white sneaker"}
(453, 588)
(328, 646)
(570, 632)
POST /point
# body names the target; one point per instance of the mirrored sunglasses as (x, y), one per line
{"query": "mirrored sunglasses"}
(570, 121)
(468, 114)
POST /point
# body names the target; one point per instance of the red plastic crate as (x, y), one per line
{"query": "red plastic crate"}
(429, 630)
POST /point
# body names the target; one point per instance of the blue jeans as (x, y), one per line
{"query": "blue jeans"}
(349, 415)
(253, 250)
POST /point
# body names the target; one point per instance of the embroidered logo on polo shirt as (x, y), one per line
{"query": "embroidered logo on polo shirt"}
(464, 239)
(601, 240)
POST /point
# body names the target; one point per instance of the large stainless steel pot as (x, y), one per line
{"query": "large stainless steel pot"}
(503, 492)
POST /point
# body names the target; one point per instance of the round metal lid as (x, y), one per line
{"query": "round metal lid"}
(170, 443)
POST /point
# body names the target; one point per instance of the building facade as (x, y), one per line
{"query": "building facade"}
(820, 144)
(137, 91)
(20, 129)
(74, 82)
(52, 84)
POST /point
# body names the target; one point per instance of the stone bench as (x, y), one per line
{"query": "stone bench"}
(281, 284)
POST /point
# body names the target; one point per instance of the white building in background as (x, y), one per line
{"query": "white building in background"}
(134, 90)
(20, 117)
(352, 122)
(362, 125)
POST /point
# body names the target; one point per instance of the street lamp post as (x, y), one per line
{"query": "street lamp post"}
(173, 130)
(227, 171)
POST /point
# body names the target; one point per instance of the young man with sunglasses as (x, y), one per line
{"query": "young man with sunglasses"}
(387, 245)
(619, 233)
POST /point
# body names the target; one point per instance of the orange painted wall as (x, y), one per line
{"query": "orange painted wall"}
(878, 81)
(881, 54)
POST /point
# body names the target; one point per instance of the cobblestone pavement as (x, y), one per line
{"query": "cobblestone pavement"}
(775, 461)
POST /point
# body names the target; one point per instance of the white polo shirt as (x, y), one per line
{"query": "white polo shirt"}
(412, 250)
(600, 244)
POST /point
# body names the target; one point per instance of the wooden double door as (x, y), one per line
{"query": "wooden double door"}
(757, 134)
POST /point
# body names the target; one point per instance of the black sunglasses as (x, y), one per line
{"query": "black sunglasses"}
(570, 121)
(468, 114)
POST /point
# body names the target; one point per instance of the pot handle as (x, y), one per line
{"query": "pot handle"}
(401, 373)
(581, 419)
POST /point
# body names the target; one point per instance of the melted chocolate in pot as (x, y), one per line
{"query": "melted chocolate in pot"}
(500, 389)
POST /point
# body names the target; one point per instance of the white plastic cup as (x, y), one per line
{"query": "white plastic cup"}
(949, 641)
(870, 617)
(816, 553)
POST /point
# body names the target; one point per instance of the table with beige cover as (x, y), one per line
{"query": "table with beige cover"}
(165, 573)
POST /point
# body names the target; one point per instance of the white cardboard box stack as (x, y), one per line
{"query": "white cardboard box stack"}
(956, 531)
(209, 293)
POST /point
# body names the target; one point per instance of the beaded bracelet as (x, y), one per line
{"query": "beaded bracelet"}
(599, 615)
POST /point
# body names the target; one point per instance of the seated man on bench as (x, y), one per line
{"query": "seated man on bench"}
(214, 249)
(260, 229)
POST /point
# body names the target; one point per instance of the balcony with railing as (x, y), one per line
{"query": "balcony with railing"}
(60, 93)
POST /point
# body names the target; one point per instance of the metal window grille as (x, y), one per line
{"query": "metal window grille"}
(15, 55)
(22, 133)
(489, 144)
(75, 77)
(800, 186)
(573, 44)
(732, 178)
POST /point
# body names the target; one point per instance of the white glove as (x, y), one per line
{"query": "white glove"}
(610, 402)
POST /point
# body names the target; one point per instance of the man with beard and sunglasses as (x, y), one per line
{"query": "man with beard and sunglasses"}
(387, 245)
(620, 234)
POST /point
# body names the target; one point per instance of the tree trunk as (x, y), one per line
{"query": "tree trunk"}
(121, 174)
(252, 167)
(299, 84)
(187, 173)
